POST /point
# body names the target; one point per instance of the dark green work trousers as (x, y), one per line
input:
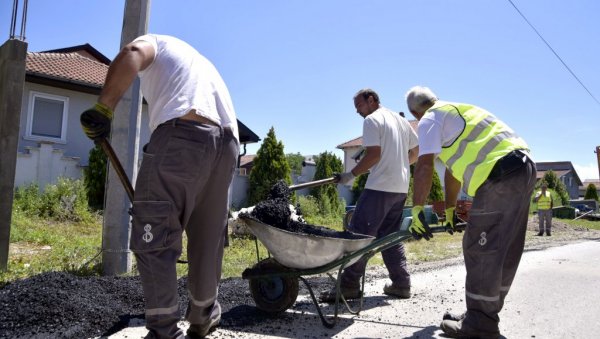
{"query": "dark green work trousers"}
(182, 185)
(494, 240)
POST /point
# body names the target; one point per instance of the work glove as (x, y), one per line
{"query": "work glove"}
(419, 227)
(95, 121)
(344, 178)
(451, 220)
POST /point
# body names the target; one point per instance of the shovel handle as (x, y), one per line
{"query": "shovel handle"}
(313, 183)
(110, 153)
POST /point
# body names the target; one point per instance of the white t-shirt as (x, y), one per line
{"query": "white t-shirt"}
(393, 134)
(437, 129)
(180, 79)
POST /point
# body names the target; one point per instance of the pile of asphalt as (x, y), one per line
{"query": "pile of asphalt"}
(275, 211)
(62, 305)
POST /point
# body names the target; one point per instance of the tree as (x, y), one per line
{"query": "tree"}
(358, 186)
(270, 166)
(95, 178)
(295, 162)
(554, 184)
(327, 195)
(591, 192)
(436, 193)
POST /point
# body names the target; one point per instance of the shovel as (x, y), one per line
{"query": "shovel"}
(110, 153)
(314, 183)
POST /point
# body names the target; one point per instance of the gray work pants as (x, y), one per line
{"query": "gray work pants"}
(545, 217)
(182, 185)
(379, 214)
(493, 243)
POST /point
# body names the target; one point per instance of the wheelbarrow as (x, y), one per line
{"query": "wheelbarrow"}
(274, 281)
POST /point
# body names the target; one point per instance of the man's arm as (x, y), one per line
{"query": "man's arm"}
(413, 155)
(452, 188)
(422, 179)
(372, 157)
(134, 57)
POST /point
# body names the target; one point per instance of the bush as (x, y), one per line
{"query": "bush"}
(327, 195)
(64, 201)
(591, 193)
(95, 178)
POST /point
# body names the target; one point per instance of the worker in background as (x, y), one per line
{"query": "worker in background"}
(391, 146)
(545, 204)
(184, 178)
(491, 163)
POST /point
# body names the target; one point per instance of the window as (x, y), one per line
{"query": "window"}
(47, 117)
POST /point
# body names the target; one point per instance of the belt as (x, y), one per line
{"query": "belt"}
(184, 121)
(508, 164)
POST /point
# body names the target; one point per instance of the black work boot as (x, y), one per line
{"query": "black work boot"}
(548, 233)
(458, 329)
(540, 233)
(454, 316)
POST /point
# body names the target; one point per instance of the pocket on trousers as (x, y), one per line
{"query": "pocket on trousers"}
(150, 225)
(482, 235)
(182, 158)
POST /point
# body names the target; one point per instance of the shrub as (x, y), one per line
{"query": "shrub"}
(270, 166)
(327, 195)
(64, 201)
(591, 192)
(95, 178)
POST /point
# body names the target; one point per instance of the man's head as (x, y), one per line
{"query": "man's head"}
(544, 186)
(366, 101)
(419, 99)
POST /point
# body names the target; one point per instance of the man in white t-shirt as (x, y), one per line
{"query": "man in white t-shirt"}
(391, 146)
(183, 182)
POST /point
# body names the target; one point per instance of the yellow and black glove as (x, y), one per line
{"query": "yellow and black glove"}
(95, 121)
(419, 227)
(451, 220)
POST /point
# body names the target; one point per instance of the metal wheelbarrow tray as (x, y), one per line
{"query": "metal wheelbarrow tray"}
(274, 281)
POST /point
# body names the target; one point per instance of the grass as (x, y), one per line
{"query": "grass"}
(38, 245)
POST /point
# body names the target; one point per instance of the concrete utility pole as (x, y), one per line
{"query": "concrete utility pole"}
(116, 256)
(12, 79)
(598, 157)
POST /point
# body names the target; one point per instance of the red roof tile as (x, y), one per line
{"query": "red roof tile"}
(71, 67)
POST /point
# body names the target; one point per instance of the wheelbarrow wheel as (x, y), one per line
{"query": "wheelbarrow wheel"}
(273, 294)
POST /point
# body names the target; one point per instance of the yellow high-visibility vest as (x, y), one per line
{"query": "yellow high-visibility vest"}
(545, 201)
(484, 140)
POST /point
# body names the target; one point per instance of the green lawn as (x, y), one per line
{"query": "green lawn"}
(39, 245)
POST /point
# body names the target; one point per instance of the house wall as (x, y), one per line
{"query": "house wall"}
(571, 185)
(43, 160)
(44, 164)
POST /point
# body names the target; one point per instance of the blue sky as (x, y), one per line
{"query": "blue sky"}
(295, 64)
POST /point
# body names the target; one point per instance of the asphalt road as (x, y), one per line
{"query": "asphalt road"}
(555, 295)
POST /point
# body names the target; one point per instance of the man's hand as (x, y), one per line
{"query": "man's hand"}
(95, 121)
(419, 227)
(451, 220)
(344, 178)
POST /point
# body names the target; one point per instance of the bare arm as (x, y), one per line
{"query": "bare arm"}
(422, 178)
(413, 155)
(372, 156)
(452, 188)
(133, 58)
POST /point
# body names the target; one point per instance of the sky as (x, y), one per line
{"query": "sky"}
(295, 65)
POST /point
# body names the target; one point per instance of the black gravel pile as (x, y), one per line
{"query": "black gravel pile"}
(275, 211)
(62, 305)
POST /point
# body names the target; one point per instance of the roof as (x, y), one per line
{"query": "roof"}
(82, 68)
(246, 160)
(357, 142)
(560, 168)
(71, 68)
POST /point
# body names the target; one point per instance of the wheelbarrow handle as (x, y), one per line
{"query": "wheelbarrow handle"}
(112, 156)
(313, 183)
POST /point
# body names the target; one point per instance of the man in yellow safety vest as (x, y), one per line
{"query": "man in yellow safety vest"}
(491, 163)
(545, 203)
